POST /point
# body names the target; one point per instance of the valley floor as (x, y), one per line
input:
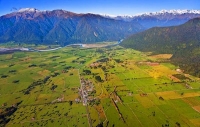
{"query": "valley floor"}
(113, 87)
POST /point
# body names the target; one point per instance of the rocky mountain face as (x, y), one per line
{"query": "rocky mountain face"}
(182, 41)
(30, 25)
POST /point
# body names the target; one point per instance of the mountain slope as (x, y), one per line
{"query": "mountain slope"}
(182, 41)
(62, 27)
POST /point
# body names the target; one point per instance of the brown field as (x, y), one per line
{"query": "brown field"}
(197, 108)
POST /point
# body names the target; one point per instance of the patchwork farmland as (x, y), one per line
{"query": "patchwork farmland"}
(111, 87)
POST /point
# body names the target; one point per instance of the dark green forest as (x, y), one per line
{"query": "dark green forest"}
(182, 41)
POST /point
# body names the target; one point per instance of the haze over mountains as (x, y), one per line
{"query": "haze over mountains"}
(182, 41)
(30, 25)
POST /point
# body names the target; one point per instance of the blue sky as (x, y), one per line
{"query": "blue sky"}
(113, 7)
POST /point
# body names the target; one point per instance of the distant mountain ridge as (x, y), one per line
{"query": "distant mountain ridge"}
(62, 27)
(182, 41)
(161, 18)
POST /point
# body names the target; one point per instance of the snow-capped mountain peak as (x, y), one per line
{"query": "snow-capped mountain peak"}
(28, 10)
(174, 12)
(160, 18)
(159, 13)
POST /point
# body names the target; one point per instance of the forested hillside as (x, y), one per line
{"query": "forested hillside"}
(182, 41)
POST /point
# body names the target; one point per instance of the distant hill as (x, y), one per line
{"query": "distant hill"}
(182, 41)
(161, 18)
(30, 25)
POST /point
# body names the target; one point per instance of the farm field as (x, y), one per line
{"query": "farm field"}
(89, 87)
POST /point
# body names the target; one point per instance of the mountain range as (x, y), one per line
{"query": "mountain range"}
(29, 25)
(161, 18)
(62, 27)
(182, 41)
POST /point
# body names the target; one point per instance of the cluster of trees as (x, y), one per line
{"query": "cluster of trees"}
(5, 114)
(53, 87)
(92, 93)
(80, 61)
(70, 103)
(32, 65)
(181, 77)
(55, 74)
(12, 71)
(100, 125)
(87, 72)
(161, 98)
(11, 65)
(4, 76)
(118, 60)
(95, 102)
(67, 67)
(16, 81)
(35, 83)
(54, 57)
(103, 60)
(98, 78)
(42, 65)
(178, 124)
